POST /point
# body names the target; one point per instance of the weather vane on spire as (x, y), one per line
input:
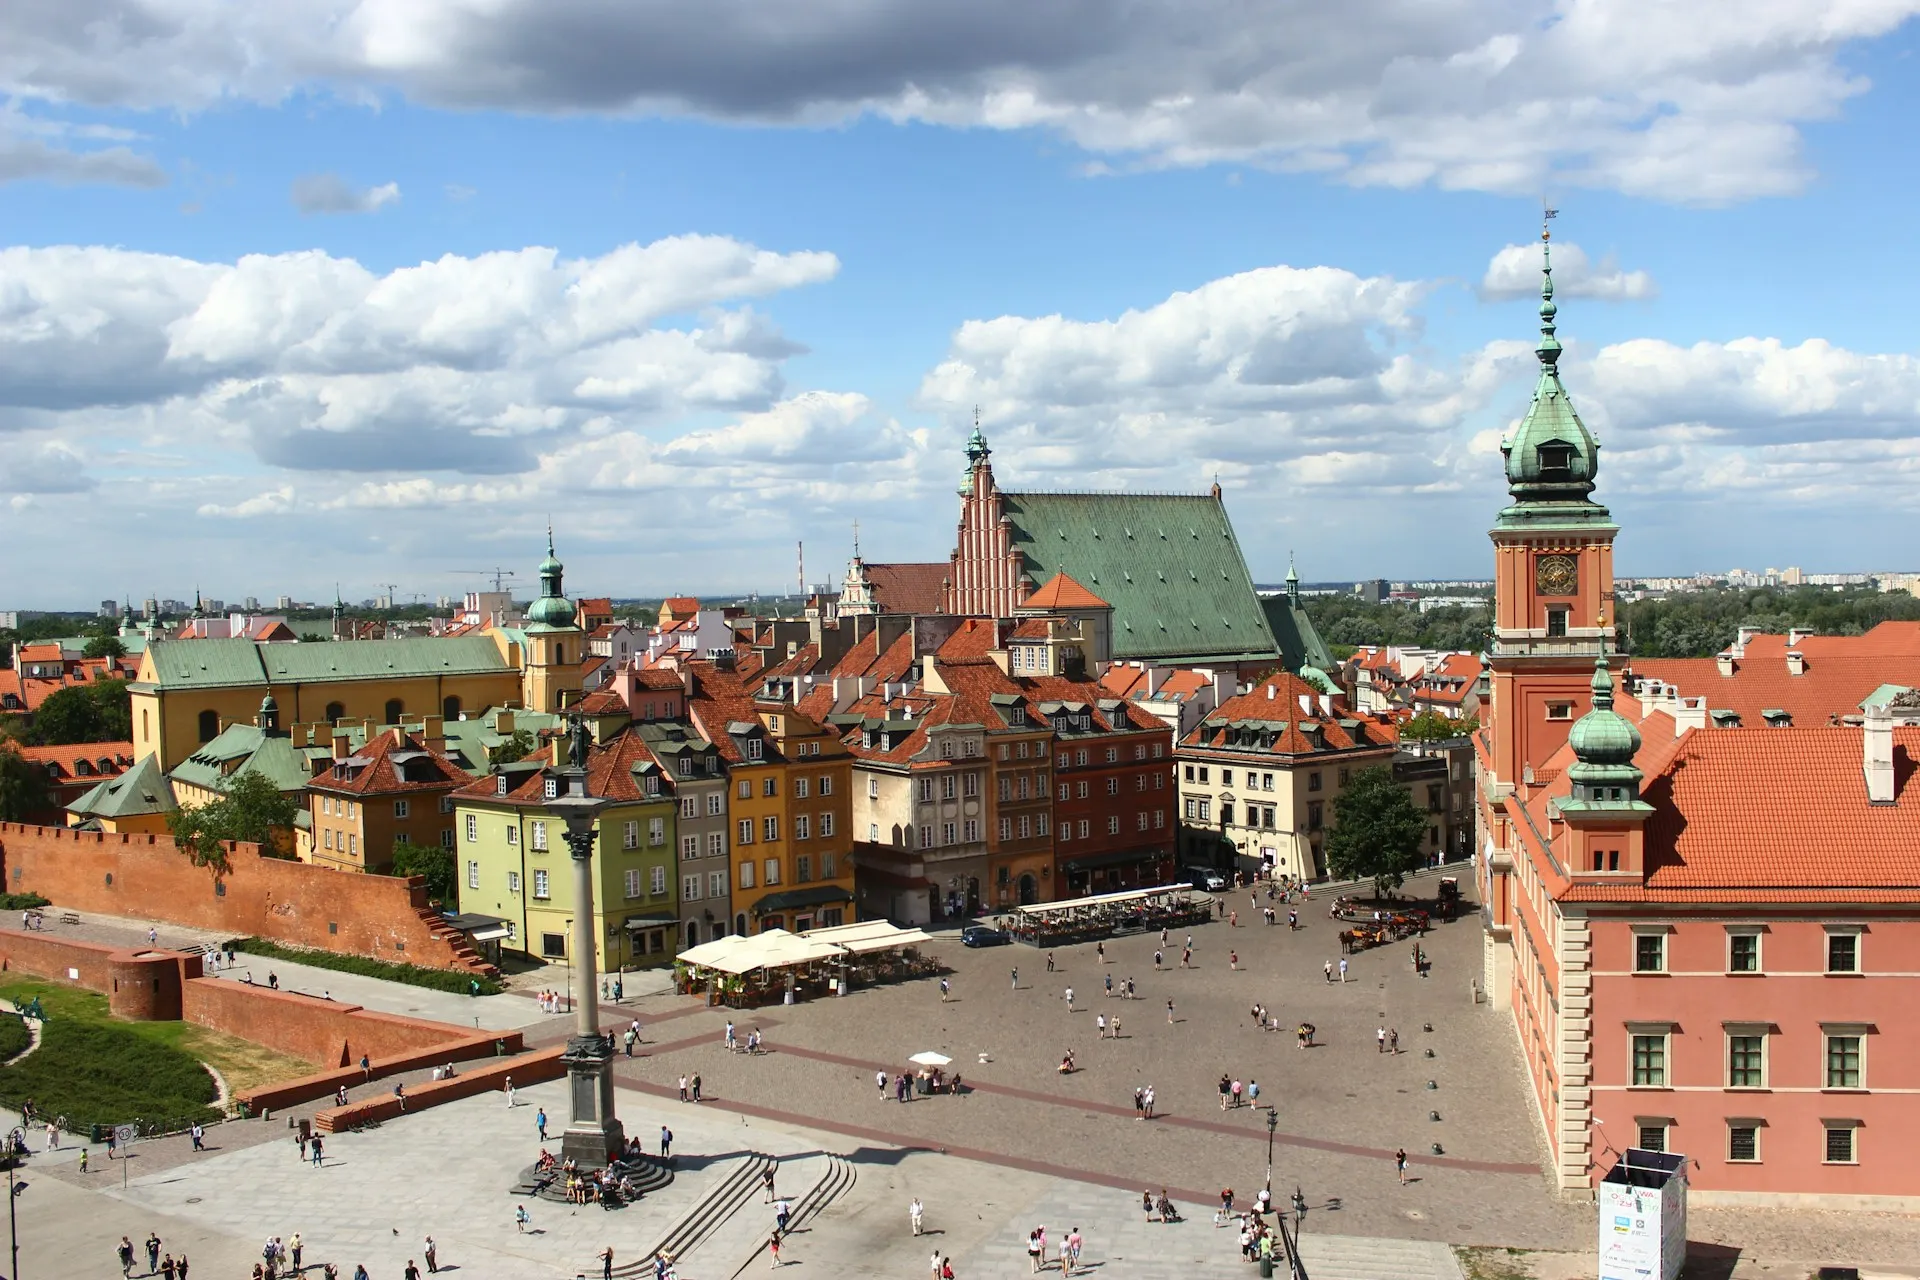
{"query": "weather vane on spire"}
(1547, 214)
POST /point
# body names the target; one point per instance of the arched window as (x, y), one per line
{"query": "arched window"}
(559, 655)
(740, 924)
(450, 707)
(336, 712)
(693, 933)
(209, 725)
(395, 709)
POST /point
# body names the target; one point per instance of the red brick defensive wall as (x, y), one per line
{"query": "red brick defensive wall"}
(148, 878)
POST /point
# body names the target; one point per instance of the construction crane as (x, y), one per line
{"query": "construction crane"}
(391, 588)
(499, 576)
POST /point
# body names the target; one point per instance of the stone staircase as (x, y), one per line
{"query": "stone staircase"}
(740, 1188)
(834, 1182)
(1369, 1258)
(456, 942)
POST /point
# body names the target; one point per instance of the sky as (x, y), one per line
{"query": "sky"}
(369, 292)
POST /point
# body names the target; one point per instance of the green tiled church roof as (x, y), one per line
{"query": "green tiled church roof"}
(210, 664)
(1168, 563)
(141, 789)
(1299, 640)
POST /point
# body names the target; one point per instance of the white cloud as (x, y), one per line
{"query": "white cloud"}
(1649, 97)
(1514, 272)
(50, 467)
(274, 502)
(331, 193)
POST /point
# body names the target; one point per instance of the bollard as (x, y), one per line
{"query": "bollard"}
(1433, 1115)
(1429, 1053)
(1433, 1084)
(1438, 1150)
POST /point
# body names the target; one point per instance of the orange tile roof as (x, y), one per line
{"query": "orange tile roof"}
(909, 588)
(1122, 680)
(601, 702)
(377, 773)
(1839, 672)
(39, 653)
(975, 637)
(1283, 707)
(105, 758)
(681, 606)
(1062, 592)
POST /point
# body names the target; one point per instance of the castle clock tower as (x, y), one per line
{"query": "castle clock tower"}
(1553, 574)
(555, 644)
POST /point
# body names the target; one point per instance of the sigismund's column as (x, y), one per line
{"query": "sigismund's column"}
(593, 1132)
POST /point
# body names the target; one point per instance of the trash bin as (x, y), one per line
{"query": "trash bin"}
(1266, 1266)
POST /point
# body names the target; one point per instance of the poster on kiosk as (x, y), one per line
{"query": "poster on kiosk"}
(1643, 1217)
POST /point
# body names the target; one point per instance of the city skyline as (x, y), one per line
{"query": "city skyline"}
(378, 296)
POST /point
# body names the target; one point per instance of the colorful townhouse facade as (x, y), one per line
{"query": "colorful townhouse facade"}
(395, 788)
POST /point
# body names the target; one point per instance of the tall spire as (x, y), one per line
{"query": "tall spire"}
(1293, 581)
(1549, 348)
(1551, 457)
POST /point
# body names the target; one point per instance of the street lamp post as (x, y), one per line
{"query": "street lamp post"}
(593, 1135)
(1273, 1122)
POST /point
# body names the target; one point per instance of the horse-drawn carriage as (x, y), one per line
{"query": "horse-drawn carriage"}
(1375, 926)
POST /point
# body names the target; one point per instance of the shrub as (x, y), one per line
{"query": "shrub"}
(22, 901)
(412, 974)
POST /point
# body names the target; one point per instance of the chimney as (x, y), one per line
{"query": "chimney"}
(1797, 634)
(1796, 663)
(342, 746)
(432, 727)
(1326, 704)
(1272, 692)
(1878, 732)
(1725, 661)
(503, 723)
(1156, 676)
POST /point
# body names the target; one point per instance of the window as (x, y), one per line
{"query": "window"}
(1559, 711)
(690, 888)
(1113, 755)
(770, 828)
(327, 840)
(553, 945)
(771, 870)
(446, 804)
(1650, 1062)
(473, 827)
(1006, 828)
(1841, 1148)
(395, 709)
(1080, 789)
(827, 867)
(336, 712)
(541, 884)
(1113, 824)
(630, 834)
(657, 881)
(632, 879)
(947, 787)
(926, 837)
(1846, 1060)
(513, 833)
(756, 750)
(746, 874)
(970, 830)
(802, 869)
(802, 827)
(1066, 832)
(1649, 953)
(1226, 813)
(1066, 792)
(1006, 789)
(826, 825)
(550, 788)
(1314, 814)
(1040, 824)
(539, 840)
(826, 780)
(353, 844)
(689, 805)
(656, 831)
(746, 832)
(946, 749)
(1080, 756)
(1746, 1061)
(473, 875)
(746, 789)
(714, 803)
(946, 833)
(513, 882)
(1313, 780)
(971, 785)
(1083, 828)
(1843, 951)
(1743, 1141)
(1139, 782)
(1064, 761)
(689, 846)
(716, 884)
(401, 809)
(1204, 810)
(1743, 953)
(800, 788)
(1556, 622)
(926, 789)
(716, 843)
(1653, 1136)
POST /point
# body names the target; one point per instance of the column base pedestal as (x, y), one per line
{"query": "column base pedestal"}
(594, 1133)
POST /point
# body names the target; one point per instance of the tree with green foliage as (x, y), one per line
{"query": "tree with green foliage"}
(23, 787)
(1376, 832)
(431, 861)
(104, 646)
(1699, 624)
(518, 746)
(1431, 726)
(253, 810)
(100, 712)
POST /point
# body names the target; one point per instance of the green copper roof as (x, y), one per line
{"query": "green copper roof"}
(1603, 740)
(240, 747)
(552, 611)
(141, 789)
(1551, 457)
(211, 664)
(1301, 647)
(1167, 563)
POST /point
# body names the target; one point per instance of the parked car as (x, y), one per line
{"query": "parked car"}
(980, 935)
(1205, 878)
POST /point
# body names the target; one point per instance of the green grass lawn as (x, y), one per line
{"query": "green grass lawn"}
(94, 1069)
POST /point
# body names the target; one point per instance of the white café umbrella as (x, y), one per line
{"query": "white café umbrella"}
(930, 1059)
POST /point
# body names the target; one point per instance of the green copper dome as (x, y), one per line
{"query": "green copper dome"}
(552, 610)
(1551, 456)
(1603, 739)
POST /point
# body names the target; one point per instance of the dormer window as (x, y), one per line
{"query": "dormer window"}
(1556, 461)
(500, 785)
(550, 788)
(755, 749)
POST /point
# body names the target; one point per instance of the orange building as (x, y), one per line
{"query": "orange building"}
(1706, 937)
(395, 788)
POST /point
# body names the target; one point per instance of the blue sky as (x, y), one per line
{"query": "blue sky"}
(815, 242)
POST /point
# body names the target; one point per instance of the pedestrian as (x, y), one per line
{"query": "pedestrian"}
(1131, 993)
(53, 1135)
(731, 1044)
(696, 1086)
(1034, 1258)
(318, 1158)
(1343, 968)
(1380, 1039)
(1069, 1001)
(360, 1269)
(1253, 1093)
(153, 1253)
(1327, 969)
(83, 1160)
(1050, 964)
(1233, 920)
(1293, 920)
(507, 1084)
(1139, 1103)
(1236, 1095)
(153, 936)
(1169, 1013)
(683, 1086)
(521, 1219)
(606, 1263)
(1146, 1205)
(629, 1040)
(666, 1143)
(300, 1140)
(167, 1269)
(540, 1121)
(1163, 936)
(126, 1256)
(1070, 1252)
(180, 1268)
(1016, 979)
(199, 1136)
(766, 1184)
(934, 1265)
(273, 980)
(1113, 1029)
(773, 1249)
(1109, 986)
(366, 1066)
(1100, 951)
(879, 1080)
(340, 1096)
(1158, 956)
(432, 1253)
(916, 1214)
(782, 1211)
(946, 989)
(1400, 1163)
(1186, 957)
(1393, 1041)
(1233, 960)
(295, 1247)
(412, 1271)
(1148, 1099)
(400, 1095)
(1100, 1024)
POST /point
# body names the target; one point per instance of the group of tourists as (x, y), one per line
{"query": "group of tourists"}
(168, 1268)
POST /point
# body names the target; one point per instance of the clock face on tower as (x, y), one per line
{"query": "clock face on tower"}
(1557, 576)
